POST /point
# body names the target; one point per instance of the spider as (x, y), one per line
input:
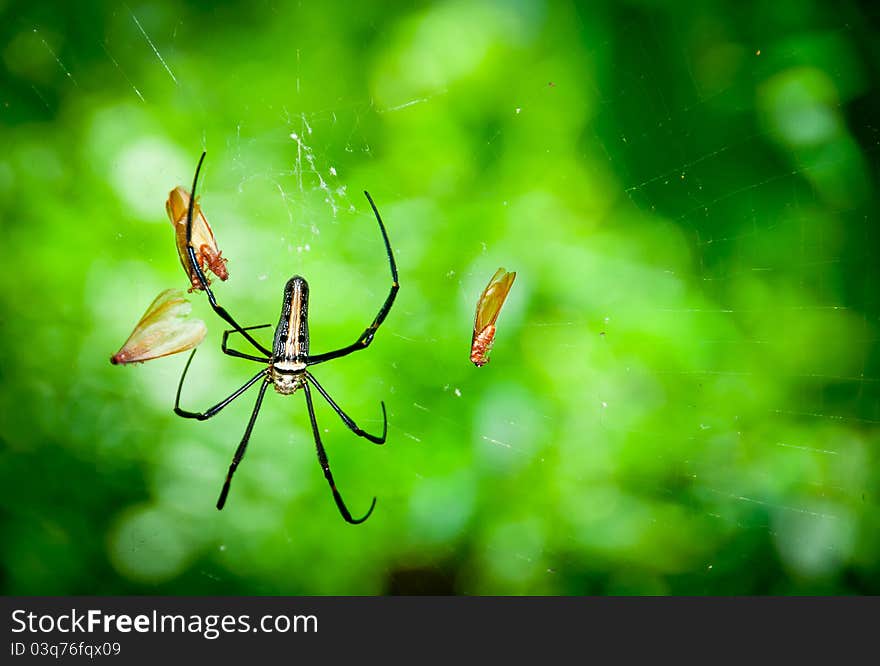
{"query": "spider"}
(288, 361)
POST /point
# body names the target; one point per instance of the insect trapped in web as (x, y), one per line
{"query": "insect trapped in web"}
(488, 309)
(207, 254)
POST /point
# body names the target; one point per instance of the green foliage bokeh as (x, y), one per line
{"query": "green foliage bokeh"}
(683, 396)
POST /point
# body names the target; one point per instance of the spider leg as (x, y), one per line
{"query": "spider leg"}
(347, 420)
(221, 311)
(212, 411)
(239, 452)
(325, 464)
(367, 336)
(238, 354)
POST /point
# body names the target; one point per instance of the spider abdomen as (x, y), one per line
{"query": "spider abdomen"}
(292, 334)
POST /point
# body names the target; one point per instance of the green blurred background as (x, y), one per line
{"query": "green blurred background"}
(685, 388)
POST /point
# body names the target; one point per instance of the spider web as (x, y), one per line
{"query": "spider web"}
(683, 396)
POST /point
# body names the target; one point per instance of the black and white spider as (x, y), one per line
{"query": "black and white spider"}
(288, 361)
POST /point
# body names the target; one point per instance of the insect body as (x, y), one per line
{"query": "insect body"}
(286, 366)
(163, 330)
(203, 241)
(488, 309)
